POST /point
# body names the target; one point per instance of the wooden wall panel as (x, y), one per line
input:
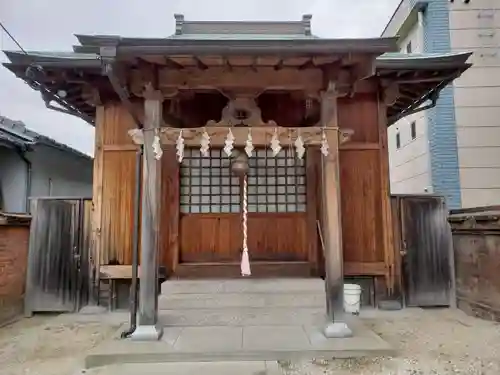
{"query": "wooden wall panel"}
(117, 185)
(210, 238)
(169, 214)
(361, 206)
(278, 236)
(118, 207)
(361, 186)
(117, 123)
(218, 237)
(359, 114)
(315, 249)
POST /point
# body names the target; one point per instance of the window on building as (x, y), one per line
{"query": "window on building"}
(398, 141)
(408, 48)
(413, 129)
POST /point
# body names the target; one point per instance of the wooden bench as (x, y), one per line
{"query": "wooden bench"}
(114, 273)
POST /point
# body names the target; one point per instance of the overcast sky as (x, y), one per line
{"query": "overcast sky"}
(50, 25)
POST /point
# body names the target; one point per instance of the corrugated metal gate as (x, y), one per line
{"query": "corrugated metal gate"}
(426, 248)
(58, 273)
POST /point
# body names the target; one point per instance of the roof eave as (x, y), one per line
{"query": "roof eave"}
(424, 62)
(169, 46)
(75, 61)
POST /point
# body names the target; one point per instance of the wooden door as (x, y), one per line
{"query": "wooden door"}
(277, 206)
(427, 248)
(54, 279)
(210, 209)
(211, 217)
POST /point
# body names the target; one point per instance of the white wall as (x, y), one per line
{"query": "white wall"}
(476, 27)
(410, 164)
(58, 173)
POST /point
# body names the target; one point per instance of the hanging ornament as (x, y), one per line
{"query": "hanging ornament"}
(324, 144)
(180, 147)
(229, 143)
(249, 144)
(245, 260)
(157, 151)
(299, 147)
(275, 143)
(205, 143)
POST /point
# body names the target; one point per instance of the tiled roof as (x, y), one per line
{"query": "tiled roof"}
(15, 133)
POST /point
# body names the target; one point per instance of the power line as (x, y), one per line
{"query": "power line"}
(12, 37)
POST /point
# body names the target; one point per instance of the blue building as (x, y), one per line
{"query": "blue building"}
(452, 149)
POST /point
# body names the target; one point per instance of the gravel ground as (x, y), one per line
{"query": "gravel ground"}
(437, 342)
(45, 345)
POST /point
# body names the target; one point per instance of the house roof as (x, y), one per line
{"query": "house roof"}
(420, 77)
(15, 134)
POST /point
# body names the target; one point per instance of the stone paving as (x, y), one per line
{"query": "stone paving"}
(242, 320)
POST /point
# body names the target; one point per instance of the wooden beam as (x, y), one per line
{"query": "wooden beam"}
(360, 146)
(364, 268)
(261, 136)
(221, 78)
(199, 64)
(385, 197)
(97, 190)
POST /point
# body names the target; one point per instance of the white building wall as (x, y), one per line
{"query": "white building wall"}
(476, 27)
(410, 164)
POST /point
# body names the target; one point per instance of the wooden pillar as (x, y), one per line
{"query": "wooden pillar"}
(95, 256)
(148, 327)
(332, 223)
(387, 224)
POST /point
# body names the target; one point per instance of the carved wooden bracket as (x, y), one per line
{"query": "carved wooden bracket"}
(390, 92)
(241, 111)
(91, 95)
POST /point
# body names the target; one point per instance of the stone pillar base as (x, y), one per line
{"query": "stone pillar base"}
(147, 333)
(337, 330)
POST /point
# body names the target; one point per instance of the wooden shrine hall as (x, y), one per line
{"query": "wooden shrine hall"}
(233, 148)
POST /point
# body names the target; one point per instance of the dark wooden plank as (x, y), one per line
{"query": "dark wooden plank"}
(232, 270)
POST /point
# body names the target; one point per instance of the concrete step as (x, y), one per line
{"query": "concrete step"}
(237, 316)
(259, 342)
(243, 300)
(243, 285)
(189, 368)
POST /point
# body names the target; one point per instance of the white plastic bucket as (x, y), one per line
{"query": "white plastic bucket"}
(352, 298)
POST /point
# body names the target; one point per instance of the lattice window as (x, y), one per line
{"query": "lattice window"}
(207, 184)
(276, 183)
